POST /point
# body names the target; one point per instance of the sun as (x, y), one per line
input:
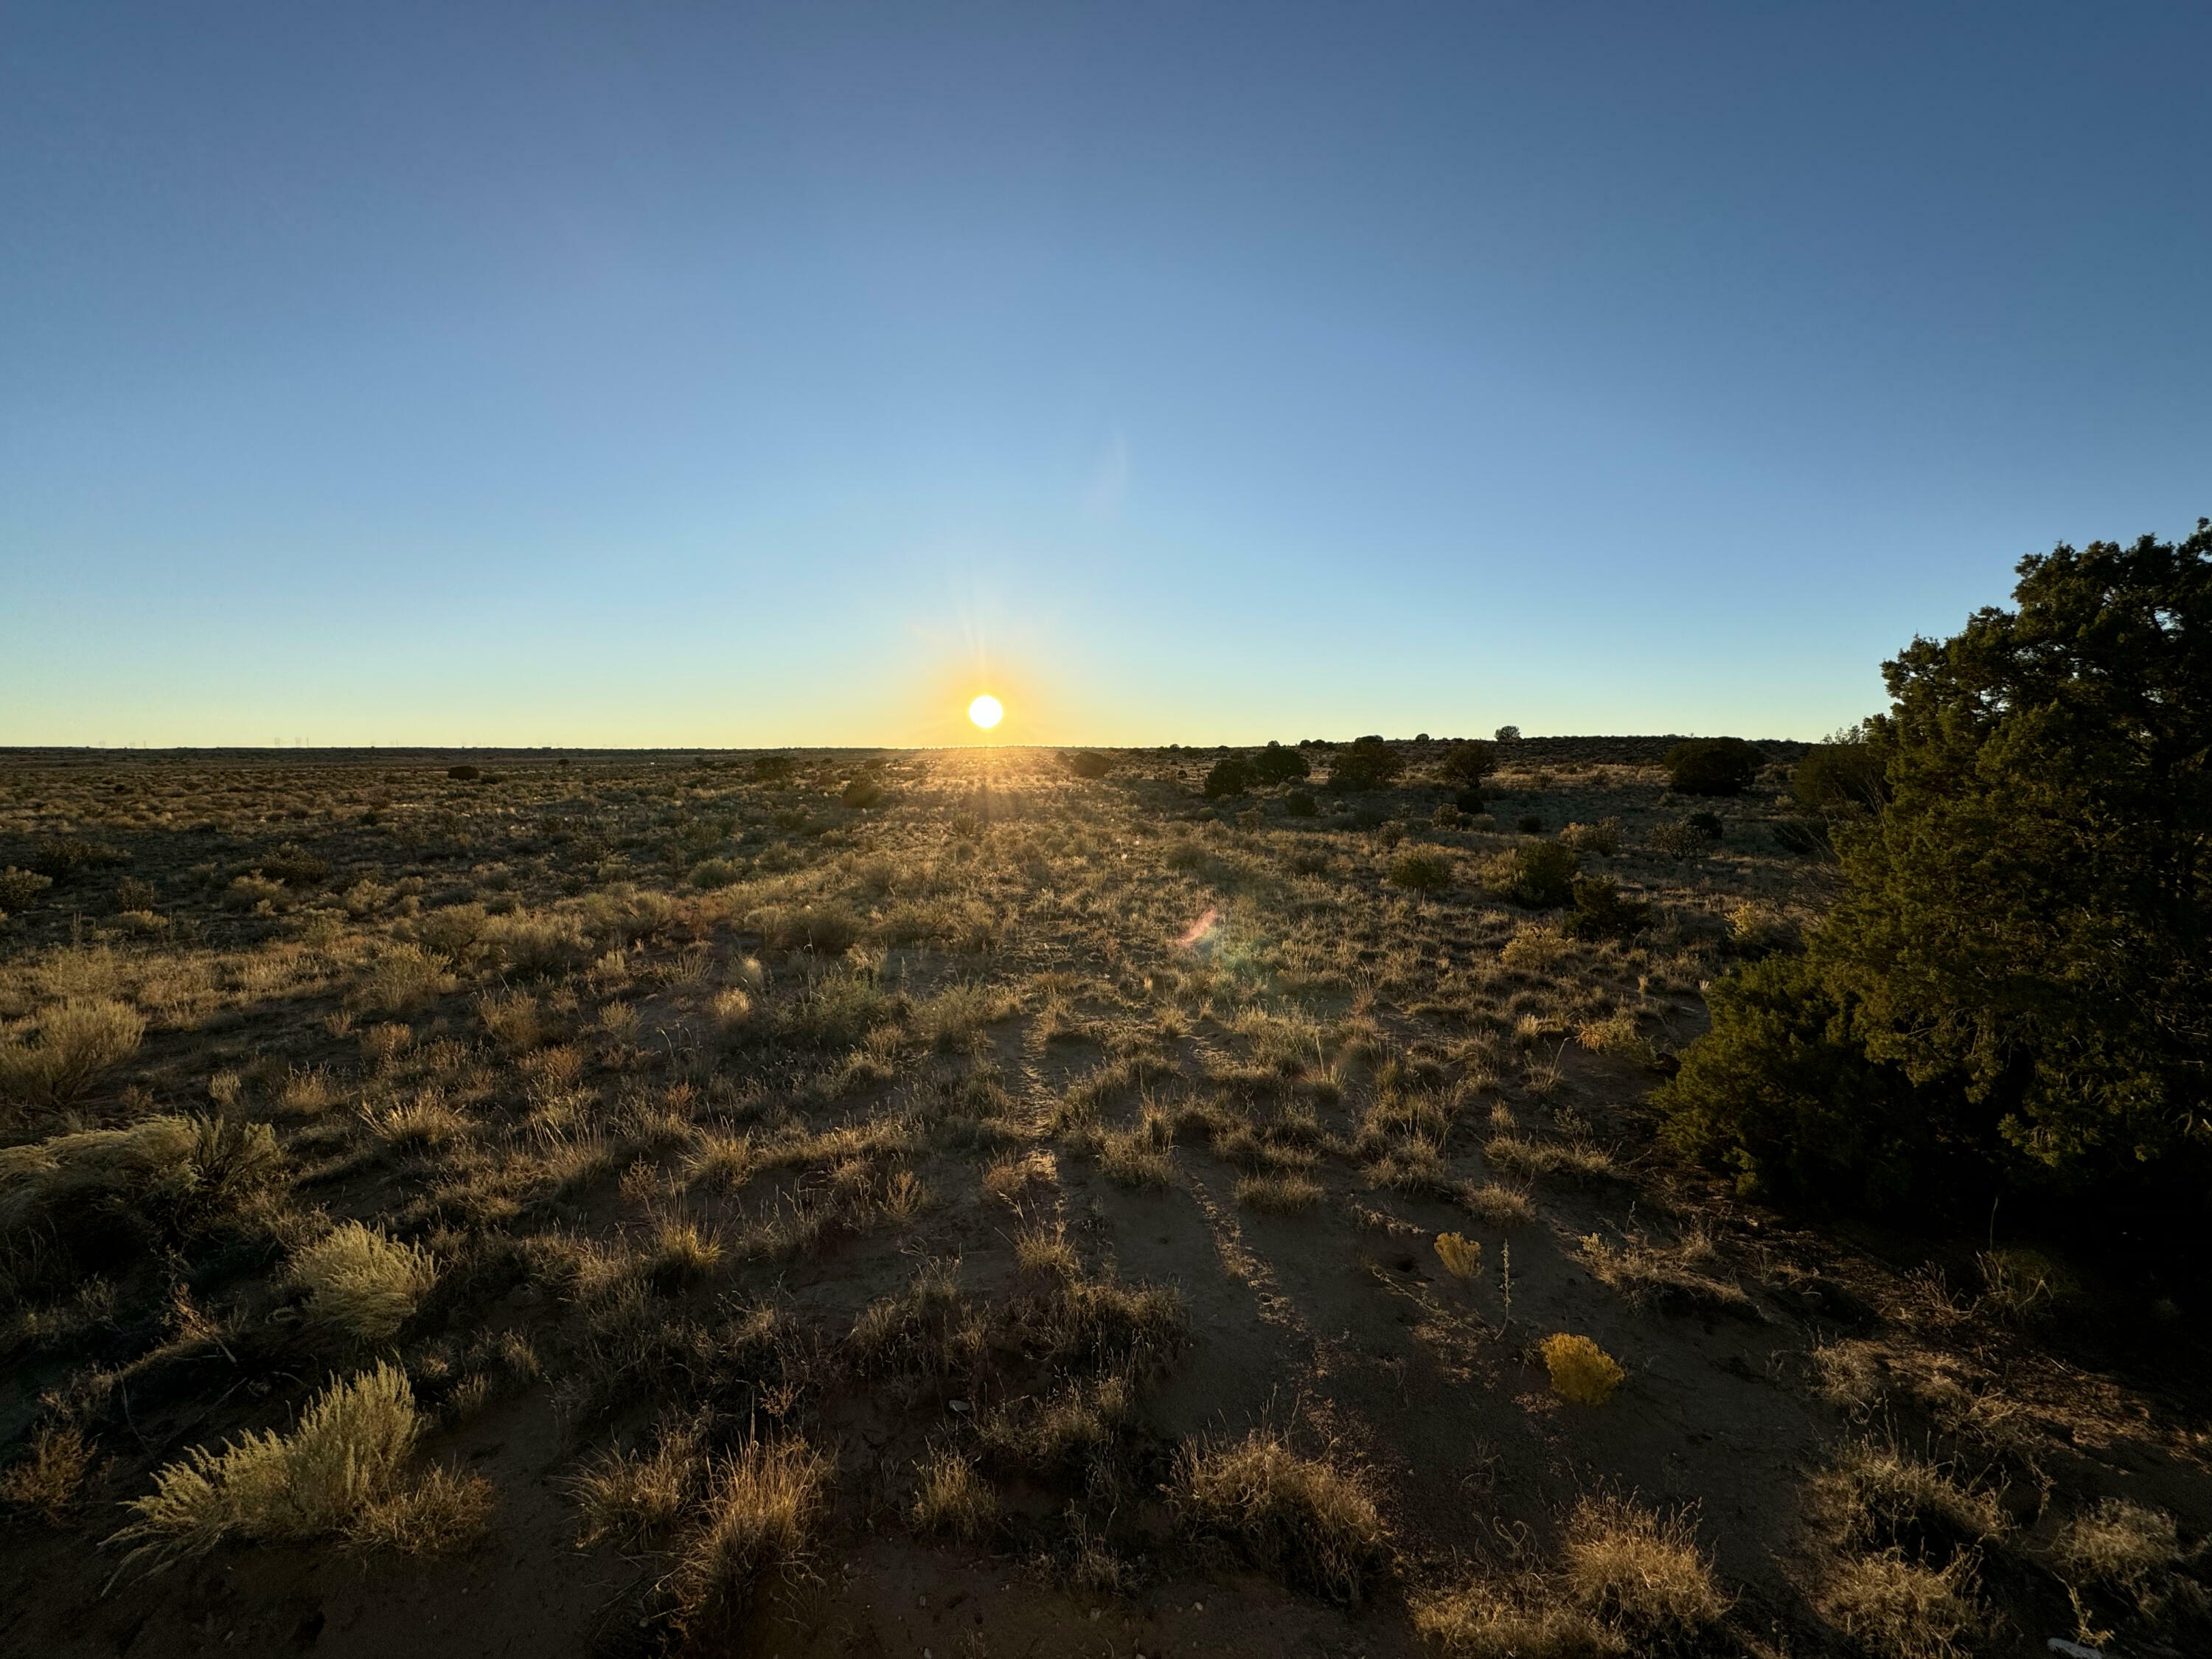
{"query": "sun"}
(986, 711)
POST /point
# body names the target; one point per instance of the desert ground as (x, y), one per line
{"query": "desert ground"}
(941, 1204)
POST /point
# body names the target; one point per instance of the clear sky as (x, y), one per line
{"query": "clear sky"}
(697, 373)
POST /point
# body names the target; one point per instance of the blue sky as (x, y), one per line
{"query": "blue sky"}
(695, 374)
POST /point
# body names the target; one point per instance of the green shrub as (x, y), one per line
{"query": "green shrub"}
(1299, 805)
(2019, 961)
(1600, 911)
(1845, 776)
(1089, 763)
(1276, 764)
(717, 873)
(1232, 775)
(65, 858)
(1680, 838)
(1366, 763)
(1537, 874)
(773, 769)
(1421, 872)
(1529, 823)
(1712, 766)
(1507, 734)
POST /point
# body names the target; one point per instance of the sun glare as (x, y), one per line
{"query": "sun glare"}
(986, 712)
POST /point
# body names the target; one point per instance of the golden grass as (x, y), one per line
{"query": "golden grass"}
(76, 1044)
(49, 1481)
(1640, 1573)
(760, 1515)
(952, 1499)
(1894, 1608)
(1311, 1522)
(361, 1285)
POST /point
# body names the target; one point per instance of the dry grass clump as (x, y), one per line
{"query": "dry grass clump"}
(1893, 1608)
(927, 1329)
(682, 1252)
(1572, 1161)
(1078, 1422)
(1135, 1157)
(953, 1499)
(361, 1285)
(405, 980)
(1287, 1194)
(2126, 1556)
(1640, 1573)
(956, 1013)
(175, 1172)
(77, 1042)
(1882, 1498)
(635, 1500)
(1312, 1522)
(1580, 1370)
(422, 1120)
(1502, 1207)
(762, 1508)
(1012, 1178)
(48, 1482)
(340, 1472)
(1672, 1278)
(1046, 1250)
(1484, 1620)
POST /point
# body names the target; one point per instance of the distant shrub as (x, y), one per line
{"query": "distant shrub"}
(1581, 1370)
(132, 894)
(773, 769)
(1679, 838)
(1366, 763)
(1468, 801)
(1600, 911)
(65, 858)
(1529, 823)
(1847, 776)
(829, 929)
(1712, 766)
(1537, 874)
(1602, 837)
(862, 792)
(1469, 763)
(1089, 763)
(463, 774)
(1508, 734)
(717, 873)
(1448, 816)
(19, 889)
(1276, 764)
(1232, 775)
(1421, 872)
(403, 980)
(251, 892)
(1707, 824)
(296, 866)
(1299, 805)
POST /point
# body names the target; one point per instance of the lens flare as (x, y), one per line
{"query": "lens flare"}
(986, 712)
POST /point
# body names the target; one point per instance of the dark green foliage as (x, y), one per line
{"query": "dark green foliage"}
(1807, 838)
(1421, 872)
(1712, 766)
(2019, 957)
(463, 774)
(1707, 824)
(1841, 778)
(1600, 911)
(1507, 734)
(1232, 775)
(1276, 764)
(1781, 1092)
(1089, 763)
(1543, 874)
(1299, 805)
(1367, 763)
(1468, 800)
(772, 768)
(1529, 823)
(1469, 763)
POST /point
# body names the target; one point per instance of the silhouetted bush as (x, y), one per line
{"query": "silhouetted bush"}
(1469, 763)
(1367, 763)
(65, 858)
(772, 768)
(463, 774)
(1529, 823)
(1299, 805)
(1089, 763)
(862, 791)
(1707, 824)
(1507, 734)
(1468, 801)
(1232, 775)
(1276, 764)
(1712, 766)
